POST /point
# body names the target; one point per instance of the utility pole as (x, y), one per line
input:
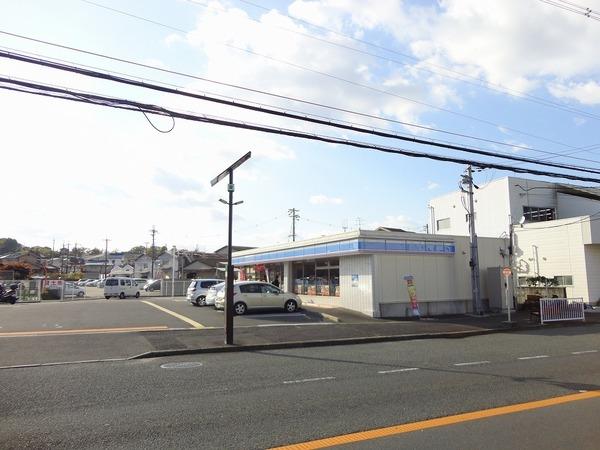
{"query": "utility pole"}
(153, 232)
(293, 213)
(358, 223)
(229, 281)
(68, 248)
(105, 255)
(474, 262)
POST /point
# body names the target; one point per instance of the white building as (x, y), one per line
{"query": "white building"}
(365, 270)
(566, 250)
(510, 198)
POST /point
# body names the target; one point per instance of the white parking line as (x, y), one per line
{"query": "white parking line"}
(472, 363)
(534, 357)
(407, 369)
(308, 380)
(277, 315)
(584, 351)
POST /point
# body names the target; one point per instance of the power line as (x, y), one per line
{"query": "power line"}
(478, 82)
(335, 77)
(307, 118)
(283, 97)
(130, 105)
(574, 8)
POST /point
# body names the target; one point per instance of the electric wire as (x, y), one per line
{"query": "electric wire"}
(132, 82)
(335, 77)
(459, 77)
(130, 105)
(278, 96)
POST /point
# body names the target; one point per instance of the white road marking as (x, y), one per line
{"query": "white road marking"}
(584, 351)
(308, 380)
(277, 315)
(298, 324)
(472, 363)
(407, 369)
(534, 357)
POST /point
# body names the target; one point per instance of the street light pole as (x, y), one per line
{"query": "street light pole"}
(229, 282)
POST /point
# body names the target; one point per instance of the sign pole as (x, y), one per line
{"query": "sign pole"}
(229, 281)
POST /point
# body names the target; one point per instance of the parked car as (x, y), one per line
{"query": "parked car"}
(152, 285)
(120, 287)
(91, 282)
(249, 295)
(211, 295)
(141, 282)
(198, 288)
(72, 290)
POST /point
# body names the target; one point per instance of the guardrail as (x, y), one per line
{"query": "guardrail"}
(556, 309)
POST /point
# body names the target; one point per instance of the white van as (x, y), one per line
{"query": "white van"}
(121, 287)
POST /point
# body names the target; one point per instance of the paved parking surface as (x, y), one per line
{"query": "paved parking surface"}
(114, 315)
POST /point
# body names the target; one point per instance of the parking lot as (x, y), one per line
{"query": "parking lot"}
(125, 315)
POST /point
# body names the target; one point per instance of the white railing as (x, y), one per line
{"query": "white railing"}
(555, 309)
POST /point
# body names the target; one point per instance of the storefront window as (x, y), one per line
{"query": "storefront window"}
(320, 277)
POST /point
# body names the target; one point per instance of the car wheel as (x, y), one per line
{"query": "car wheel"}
(107, 297)
(291, 306)
(137, 294)
(80, 294)
(201, 301)
(240, 308)
(122, 295)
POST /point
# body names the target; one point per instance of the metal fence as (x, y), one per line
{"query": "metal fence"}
(175, 288)
(555, 309)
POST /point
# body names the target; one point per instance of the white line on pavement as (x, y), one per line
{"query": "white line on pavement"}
(534, 357)
(407, 369)
(307, 380)
(584, 351)
(472, 363)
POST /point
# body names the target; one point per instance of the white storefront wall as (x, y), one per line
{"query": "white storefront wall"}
(443, 282)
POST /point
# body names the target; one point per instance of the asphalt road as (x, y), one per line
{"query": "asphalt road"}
(130, 312)
(270, 398)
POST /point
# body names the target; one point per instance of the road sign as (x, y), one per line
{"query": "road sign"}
(506, 272)
(235, 165)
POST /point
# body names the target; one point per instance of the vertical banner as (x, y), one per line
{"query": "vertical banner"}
(412, 295)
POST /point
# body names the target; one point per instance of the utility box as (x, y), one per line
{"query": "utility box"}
(496, 287)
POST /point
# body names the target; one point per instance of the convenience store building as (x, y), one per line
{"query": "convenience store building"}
(366, 270)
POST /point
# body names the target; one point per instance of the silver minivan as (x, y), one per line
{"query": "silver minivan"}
(198, 288)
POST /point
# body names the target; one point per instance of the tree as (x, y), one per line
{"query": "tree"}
(138, 250)
(9, 245)
(44, 252)
(94, 251)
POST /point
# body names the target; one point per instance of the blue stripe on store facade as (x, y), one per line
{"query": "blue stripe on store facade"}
(350, 246)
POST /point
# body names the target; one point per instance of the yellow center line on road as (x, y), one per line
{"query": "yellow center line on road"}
(439, 422)
(174, 314)
(82, 331)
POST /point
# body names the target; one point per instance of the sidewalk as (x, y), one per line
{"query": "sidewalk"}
(341, 327)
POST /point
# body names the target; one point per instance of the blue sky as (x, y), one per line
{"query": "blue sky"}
(85, 173)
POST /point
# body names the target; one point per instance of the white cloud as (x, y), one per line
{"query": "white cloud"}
(431, 185)
(587, 93)
(321, 199)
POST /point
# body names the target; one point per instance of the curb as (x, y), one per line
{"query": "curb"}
(317, 343)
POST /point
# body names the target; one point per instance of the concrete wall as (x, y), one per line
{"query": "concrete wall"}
(491, 210)
(573, 206)
(592, 263)
(551, 249)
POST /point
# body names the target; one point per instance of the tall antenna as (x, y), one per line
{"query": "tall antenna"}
(293, 213)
